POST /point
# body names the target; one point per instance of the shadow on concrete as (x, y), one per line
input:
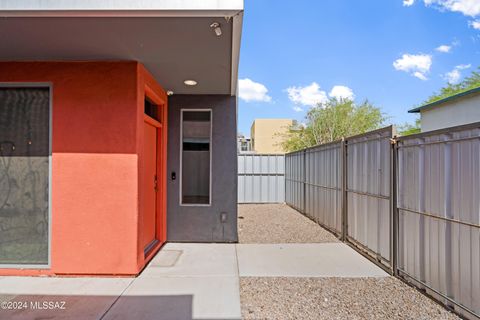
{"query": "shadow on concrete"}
(28, 307)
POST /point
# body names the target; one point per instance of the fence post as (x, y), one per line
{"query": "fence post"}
(344, 190)
(393, 204)
(285, 178)
(304, 181)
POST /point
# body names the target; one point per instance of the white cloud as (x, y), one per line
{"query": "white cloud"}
(418, 65)
(464, 66)
(475, 24)
(342, 92)
(467, 7)
(252, 91)
(444, 48)
(297, 109)
(408, 3)
(454, 76)
(420, 76)
(310, 95)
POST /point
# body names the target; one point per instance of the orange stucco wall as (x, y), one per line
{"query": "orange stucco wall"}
(97, 109)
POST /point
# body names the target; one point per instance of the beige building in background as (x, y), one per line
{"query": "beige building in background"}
(267, 135)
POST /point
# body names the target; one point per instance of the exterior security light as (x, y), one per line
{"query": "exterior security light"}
(190, 82)
(169, 93)
(216, 27)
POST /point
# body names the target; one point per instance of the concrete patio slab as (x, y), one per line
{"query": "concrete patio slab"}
(194, 259)
(304, 260)
(182, 298)
(63, 285)
(66, 298)
(184, 281)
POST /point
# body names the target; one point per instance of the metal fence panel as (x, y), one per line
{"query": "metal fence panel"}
(439, 214)
(261, 178)
(294, 180)
(423, 222)
(323, 189)
(369, 212)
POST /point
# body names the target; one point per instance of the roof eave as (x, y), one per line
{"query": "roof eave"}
(120, 13)
(236, 41)
(175, 8)
(228, 9)
(445, 100)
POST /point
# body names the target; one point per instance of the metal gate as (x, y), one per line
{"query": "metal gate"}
(369, 203)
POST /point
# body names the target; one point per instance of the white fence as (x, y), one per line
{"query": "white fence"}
(261, 178)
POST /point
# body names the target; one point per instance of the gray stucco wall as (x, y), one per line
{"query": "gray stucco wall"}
(450, 114)
(203, 223)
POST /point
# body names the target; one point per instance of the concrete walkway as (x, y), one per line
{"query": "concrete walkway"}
(304, 260)
(184, 281)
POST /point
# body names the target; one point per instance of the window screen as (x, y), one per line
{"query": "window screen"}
(24, 174)
(196, 148)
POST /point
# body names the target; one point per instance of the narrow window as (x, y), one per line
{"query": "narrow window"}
(196, 157)
(24, 175)
(151, 110)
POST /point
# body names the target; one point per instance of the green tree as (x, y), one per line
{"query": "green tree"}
(331, 121)
(408, 128)
(470, 82)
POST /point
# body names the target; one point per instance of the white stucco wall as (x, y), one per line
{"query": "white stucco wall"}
(450, 114)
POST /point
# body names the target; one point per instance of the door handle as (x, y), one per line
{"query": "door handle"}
(155, 183)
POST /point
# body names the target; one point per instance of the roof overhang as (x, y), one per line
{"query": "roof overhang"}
(172, 38)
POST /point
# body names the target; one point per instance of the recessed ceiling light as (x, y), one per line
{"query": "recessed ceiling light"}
(190, 82)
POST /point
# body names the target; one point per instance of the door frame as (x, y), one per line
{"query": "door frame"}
(158, 131)
(161, 171)
(48, 85)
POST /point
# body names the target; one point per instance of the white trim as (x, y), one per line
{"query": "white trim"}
(180, 198)
(48, 85)
(235, 54)
(171, 8)
(118, 13)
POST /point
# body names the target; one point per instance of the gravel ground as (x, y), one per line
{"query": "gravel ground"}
(335, 298)
(278, 223)
(320, 298)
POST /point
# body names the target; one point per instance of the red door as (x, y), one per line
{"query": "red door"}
(150, 186)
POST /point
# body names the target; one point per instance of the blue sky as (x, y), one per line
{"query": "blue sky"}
(295, 52)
